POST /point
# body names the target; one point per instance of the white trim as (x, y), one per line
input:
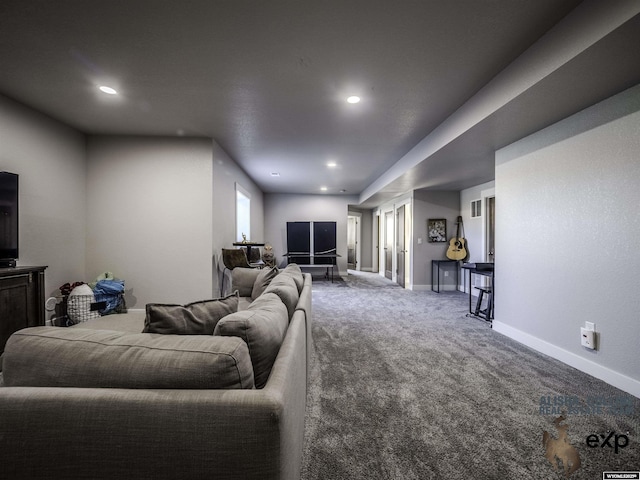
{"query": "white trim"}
(421, 288)
(358, 217)
(596, 370)
(485, 194)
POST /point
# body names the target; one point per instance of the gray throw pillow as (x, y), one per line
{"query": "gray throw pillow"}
(263, 280)
(263, 327)
(197, 318)
(285, 288)
(294, 271)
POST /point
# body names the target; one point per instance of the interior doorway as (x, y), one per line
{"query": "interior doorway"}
(400, 246)
(376, 250)
(353, 242)
(491, 229)
(388, 245)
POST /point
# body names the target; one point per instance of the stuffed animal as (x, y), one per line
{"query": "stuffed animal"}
(268, 257)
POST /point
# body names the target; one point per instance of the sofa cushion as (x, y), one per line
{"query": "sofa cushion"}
(294, 271)
(285, 288)
(263, 280)
(197, 318)
(49, 356)
(263, 327)
(242, 279)
(132, 322)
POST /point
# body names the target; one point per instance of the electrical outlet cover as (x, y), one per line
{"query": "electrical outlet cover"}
(588, 338)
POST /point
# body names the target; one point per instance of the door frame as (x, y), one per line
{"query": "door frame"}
(485, 195)
(386, 215)
(401, 222)
(375, 233)
(358, 217)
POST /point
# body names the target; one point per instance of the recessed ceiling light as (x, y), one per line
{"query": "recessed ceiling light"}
(332, 164)
(353, 99)
(108, 90)
(324, 189)
(275, 174)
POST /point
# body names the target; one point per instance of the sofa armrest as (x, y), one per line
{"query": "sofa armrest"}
(106, 433)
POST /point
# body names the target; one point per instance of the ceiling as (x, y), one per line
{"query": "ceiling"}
(269, 81)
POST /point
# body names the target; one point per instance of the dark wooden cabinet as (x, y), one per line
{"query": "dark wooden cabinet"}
(21, 300)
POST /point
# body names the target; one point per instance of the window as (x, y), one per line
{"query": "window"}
(243, 214)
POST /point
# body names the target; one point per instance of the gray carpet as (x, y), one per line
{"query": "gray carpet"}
(406, 386)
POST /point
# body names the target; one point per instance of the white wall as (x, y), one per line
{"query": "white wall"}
(226, 173)
(567, 226)
(150, 216)
(49, 157)
(282, 208)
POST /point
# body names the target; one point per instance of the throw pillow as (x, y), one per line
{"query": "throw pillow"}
(285, 288)
(197, 318)
(263, 280)
(294, 271)
(263, 327)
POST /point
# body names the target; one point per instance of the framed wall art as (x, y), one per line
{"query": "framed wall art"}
(437, 230)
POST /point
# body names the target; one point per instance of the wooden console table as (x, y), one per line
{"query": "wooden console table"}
(21, 300)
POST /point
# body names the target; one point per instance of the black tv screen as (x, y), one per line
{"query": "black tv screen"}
(8, 216)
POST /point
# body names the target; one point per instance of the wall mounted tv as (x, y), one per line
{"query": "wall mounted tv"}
(8, 219)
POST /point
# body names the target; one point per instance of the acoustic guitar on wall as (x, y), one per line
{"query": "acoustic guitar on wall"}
(457, 245)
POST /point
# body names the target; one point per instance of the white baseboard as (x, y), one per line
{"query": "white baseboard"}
(618, 380)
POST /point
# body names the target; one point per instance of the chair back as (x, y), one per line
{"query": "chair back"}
(256, 255)
(234, 257)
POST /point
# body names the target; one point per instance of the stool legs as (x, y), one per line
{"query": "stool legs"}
(479, 302)
(487, 313)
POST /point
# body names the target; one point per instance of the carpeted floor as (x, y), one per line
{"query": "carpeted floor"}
(406, 386)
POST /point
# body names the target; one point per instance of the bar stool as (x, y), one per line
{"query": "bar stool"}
(487, 313)
(232, 258)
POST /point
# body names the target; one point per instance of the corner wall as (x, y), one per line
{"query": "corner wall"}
(567, 222)
(150, 207)
(429, 204)
(226, 173)
(50, 159)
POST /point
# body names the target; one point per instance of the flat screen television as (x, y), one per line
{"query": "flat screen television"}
(8, 219)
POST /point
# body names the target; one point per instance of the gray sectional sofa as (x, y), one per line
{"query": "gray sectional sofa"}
(101, 400)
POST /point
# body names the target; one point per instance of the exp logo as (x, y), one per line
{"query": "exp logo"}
(609, 439)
